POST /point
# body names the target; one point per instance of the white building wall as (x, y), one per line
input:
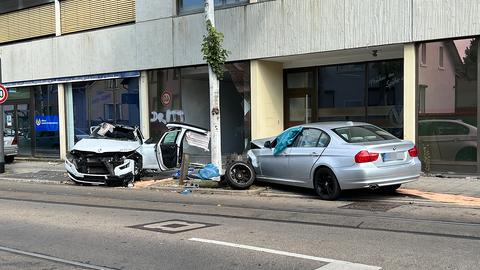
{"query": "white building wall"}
(261, 30)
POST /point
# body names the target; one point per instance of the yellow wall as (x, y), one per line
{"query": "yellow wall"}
(267, 98)
(409, 92)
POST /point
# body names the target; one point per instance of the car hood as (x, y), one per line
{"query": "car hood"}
(260, 143)
(105, 145)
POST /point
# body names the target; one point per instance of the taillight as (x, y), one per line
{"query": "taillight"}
(413, 152)
(365, 156)
(14, 141)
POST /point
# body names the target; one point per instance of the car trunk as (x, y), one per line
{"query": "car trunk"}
(391, 153)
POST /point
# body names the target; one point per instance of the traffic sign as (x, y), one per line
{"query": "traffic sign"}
(3, 94)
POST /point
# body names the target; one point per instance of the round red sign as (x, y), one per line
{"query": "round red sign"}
(3, 94)
(166, 98)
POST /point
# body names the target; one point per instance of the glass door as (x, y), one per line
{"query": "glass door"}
(298, 97)
(18, 123)
(298, 109)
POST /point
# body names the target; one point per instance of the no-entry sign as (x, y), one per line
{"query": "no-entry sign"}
(3, 94)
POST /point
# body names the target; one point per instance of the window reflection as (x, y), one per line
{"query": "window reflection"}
(182, 95)
(447, 126)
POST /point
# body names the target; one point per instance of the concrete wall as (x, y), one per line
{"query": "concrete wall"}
(260, 30)
(266, 98)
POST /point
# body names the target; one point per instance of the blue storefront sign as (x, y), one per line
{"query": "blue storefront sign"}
(46, 123)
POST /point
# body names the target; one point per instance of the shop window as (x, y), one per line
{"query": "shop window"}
(366, 92)
(447, 118)
(115, 101)
(182, 95)
(385, 95)
(341, 93)
(192, 6)
(46, 121)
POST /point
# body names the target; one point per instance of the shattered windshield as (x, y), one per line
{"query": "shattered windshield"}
(110, 131)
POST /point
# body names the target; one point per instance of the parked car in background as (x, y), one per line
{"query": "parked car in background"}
(10, 145)
(330, 157)
(448, 140)
(120, 154)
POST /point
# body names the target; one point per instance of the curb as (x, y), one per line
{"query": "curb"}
(34, 180)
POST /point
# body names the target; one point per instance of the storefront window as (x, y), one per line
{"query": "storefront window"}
(47, 138)
(341, 93)
(182, 95)
(190, 6)
(115, 101)
(448, 106)
(31, 115)
(385, 96)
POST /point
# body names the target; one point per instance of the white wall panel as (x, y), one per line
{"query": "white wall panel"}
(147, 10)
(154, 44)
(261, 30)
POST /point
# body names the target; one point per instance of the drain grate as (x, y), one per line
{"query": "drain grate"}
(372, 206)
(173, 226)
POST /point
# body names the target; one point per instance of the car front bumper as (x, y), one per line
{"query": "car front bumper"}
(120, 174)
(368, 175)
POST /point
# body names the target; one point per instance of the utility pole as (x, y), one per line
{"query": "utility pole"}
(215, 131)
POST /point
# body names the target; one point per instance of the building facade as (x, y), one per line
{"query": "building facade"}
(408, 66)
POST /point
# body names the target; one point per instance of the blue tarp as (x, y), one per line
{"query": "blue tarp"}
(208, 172)
(286, 139)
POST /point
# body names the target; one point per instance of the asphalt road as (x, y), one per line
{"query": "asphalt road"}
(81, 227)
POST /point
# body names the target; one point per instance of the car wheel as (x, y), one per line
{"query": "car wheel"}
(467, 154)
(239, 174)
(9, 159)
(326, 184)
(390, 189)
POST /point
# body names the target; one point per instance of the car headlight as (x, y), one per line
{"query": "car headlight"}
(70, 157)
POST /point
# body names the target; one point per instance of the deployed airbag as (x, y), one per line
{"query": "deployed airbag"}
(285, 139)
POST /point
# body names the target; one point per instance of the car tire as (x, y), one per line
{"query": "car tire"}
(467, 154)
(239, 174)
(9, 159)
(390, 188)
(326, 184)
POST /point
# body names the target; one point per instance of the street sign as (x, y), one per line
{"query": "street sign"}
(3, 94)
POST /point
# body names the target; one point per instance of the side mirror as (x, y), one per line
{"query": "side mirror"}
(268, 144)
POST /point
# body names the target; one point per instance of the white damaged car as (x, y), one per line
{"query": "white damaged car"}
(117, 154)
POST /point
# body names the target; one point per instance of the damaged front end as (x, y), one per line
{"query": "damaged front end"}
(102, 168)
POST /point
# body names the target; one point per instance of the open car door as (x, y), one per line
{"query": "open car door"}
(169, 148)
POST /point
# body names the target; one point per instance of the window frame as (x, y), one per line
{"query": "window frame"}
(297, 140)
(201, 9)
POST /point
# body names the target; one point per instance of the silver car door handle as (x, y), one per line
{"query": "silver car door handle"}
(314, 153)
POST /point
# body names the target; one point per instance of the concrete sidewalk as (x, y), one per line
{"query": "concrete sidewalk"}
(54, 172)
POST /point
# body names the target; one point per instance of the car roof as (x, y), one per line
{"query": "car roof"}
(333, 125)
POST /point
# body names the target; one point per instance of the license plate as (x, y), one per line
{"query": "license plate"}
(393, 156)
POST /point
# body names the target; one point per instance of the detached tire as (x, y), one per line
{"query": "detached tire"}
(239, 174)
(326, 184)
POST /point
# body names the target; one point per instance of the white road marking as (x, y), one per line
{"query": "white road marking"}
(55, 259)
(333, 264)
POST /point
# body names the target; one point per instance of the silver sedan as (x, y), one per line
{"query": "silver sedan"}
(334, 156)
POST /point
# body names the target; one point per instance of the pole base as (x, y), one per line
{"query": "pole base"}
(2, 167)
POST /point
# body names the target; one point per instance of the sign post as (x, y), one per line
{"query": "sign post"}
(3, 98)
